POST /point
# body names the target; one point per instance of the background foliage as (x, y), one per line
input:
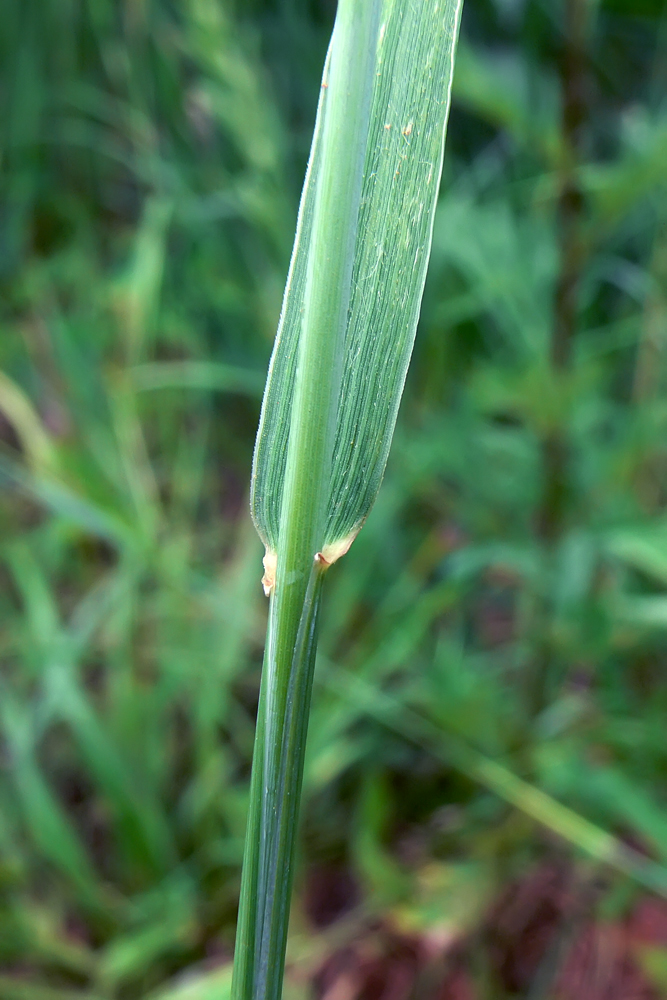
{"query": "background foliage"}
(485, 810)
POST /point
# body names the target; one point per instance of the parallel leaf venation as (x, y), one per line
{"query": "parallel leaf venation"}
(401, 178)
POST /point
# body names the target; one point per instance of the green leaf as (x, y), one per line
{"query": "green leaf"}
(199, 985)
(202, 375)
(403, 164)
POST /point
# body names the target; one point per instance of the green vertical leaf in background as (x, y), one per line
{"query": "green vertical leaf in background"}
(343, 346)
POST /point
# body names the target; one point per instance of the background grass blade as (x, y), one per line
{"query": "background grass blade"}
(589, 838)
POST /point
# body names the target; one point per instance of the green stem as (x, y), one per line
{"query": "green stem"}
(283, 770)
(291, 636)
(275, 792)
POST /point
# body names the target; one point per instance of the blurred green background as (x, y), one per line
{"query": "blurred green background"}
(485, 810)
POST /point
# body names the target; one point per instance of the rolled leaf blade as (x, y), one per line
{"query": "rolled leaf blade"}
(402, 169)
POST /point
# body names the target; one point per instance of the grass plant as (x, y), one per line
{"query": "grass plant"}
(152, 157)
(335, 381)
